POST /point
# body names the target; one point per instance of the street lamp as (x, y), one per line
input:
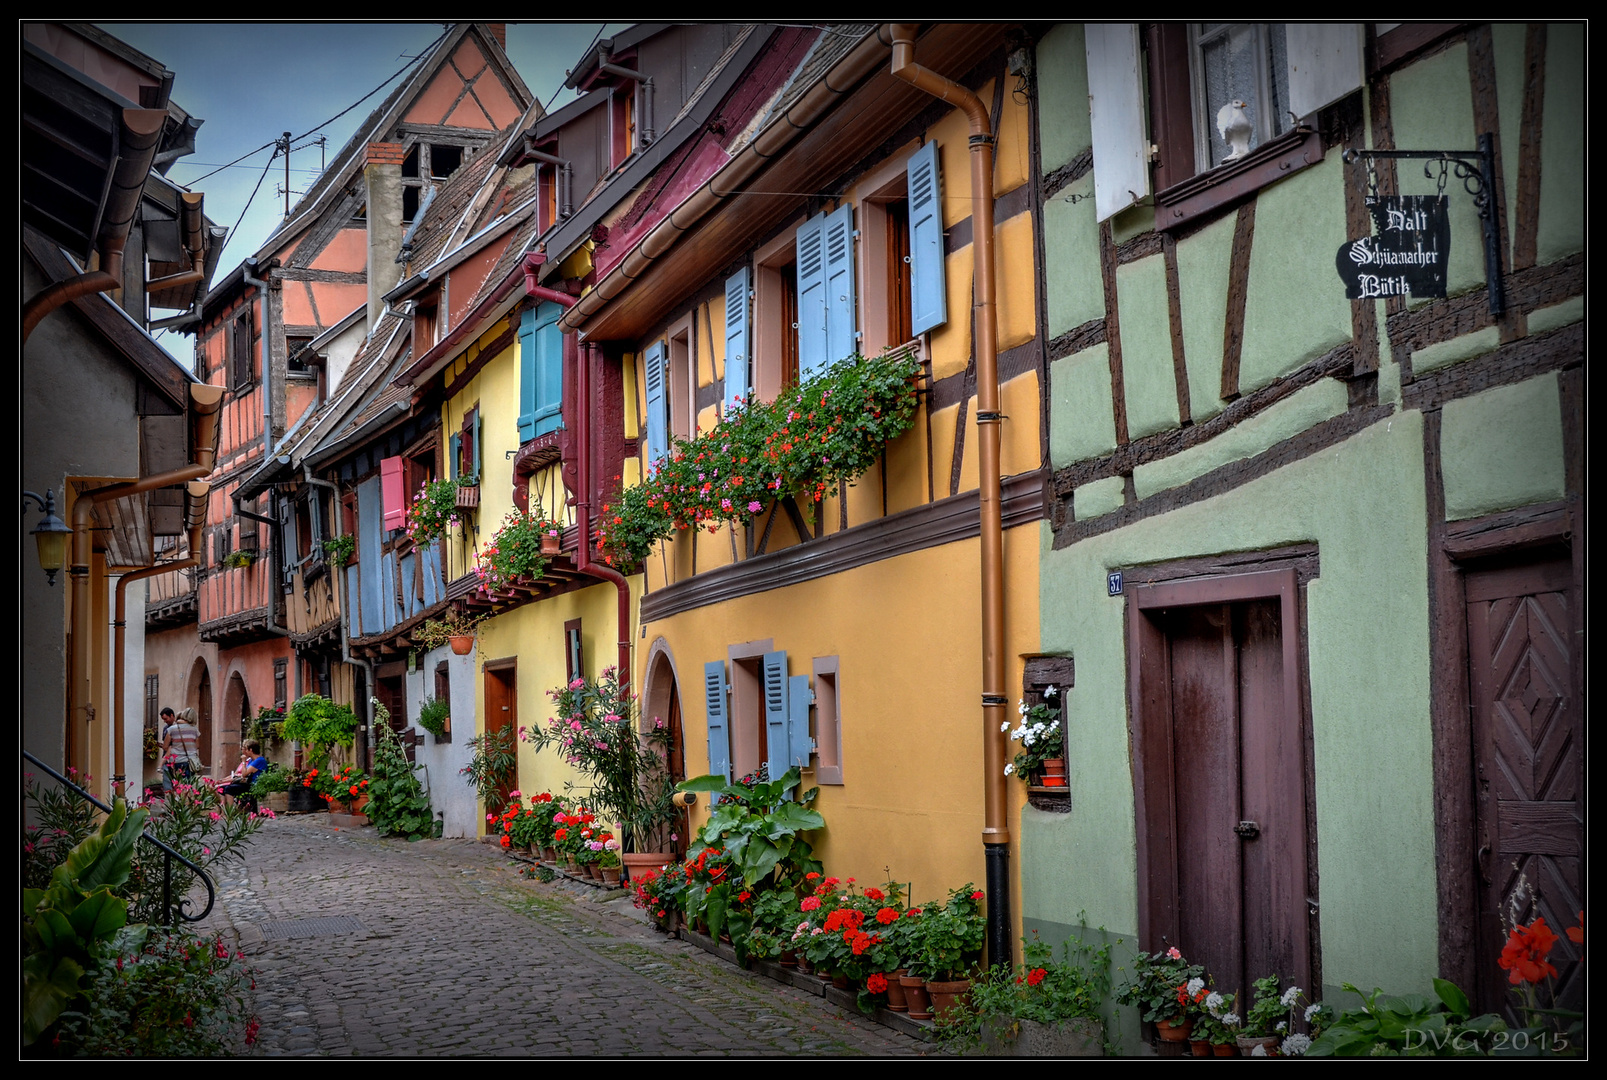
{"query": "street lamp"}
(51, 534)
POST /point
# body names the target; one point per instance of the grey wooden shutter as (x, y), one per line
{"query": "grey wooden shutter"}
(1116, 117)
(838, 245)
(287, 542)
(719, 719)
(778, 747)
(737, 336)
(811, 297)
(657, 421)
(800, 745)
(1325, 64)
(929, 301)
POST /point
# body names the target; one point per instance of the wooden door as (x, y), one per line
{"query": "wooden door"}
(1220, 738)
(1528, 755)
(392, 693)
(501, 712)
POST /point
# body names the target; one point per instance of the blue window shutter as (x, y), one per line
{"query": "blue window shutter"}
(929, 302)
(657, 420)
(527, 376)
(479, 449)
(454, 445)
(736, 340)
(838, 245)
(719, 721)
(549, 370)
(799, 698)
(778, 749)
(811, 297)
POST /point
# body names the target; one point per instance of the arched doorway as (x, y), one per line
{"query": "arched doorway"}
(661, 701)
(236, 712)
(200, 700)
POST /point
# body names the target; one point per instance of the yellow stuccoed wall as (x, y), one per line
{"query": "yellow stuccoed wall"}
(907, 632)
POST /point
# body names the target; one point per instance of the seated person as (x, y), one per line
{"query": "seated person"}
(251, 765)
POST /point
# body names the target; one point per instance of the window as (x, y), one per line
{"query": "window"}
(681, 381)
(1280, 71)
(541, 373)
(392, 493)
(153, 707)
(904, 283)
(417, 471)
(463, 449)
(243, 360)
(297, 355)
(773, 328)
(444, 160)
(826, 296)
(572, 655)
(280, 697)
(760, 717)
(443, 692)
(828, 723)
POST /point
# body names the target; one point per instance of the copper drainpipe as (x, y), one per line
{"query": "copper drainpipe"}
(195, 490)
(81, 709)
(996, 822)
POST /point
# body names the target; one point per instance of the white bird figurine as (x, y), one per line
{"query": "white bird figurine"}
(1235, 128)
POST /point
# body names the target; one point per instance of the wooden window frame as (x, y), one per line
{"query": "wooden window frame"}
(745, 708)
(242, 359)
(681, 376)
(574, 656)
(280, 690)
(443, 689)
(828, 721)
(884, 273)
(774, 318)
(1182, 192)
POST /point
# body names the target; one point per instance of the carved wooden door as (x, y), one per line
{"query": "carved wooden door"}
(1528, 755)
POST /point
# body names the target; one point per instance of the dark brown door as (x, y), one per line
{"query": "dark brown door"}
(1238, 795)
(392, 693)
(1528, 758)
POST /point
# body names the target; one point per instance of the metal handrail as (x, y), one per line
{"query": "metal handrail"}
(172, 911)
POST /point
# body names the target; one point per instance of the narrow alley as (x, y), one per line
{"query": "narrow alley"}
(372, 947)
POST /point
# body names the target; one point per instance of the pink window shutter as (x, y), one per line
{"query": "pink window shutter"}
(390, 493)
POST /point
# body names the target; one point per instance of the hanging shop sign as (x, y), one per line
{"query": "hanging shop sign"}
(1406, 254)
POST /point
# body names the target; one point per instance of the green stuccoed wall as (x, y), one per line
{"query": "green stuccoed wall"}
(1363, 504)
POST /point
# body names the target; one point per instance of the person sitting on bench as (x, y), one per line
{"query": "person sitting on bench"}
(248, 772)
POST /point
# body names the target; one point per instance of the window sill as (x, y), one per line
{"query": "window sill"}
(1227, 185)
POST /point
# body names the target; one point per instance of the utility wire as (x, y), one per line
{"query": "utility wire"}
(247, 206)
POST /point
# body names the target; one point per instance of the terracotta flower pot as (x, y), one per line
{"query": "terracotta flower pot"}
(841, 982)
(611, 875)
(1175, 1030)
(1200, 1047)
(946, 996)
(1224, 1050)
(462, 644)
(638, 863)
(788, 958)
(920, 1007)
(896, 1000)
(1248, 1043)
(1054, 772)
(549, 545)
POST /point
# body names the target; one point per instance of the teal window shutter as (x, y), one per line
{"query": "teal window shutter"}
(929, 305)
(549, 369)
(811, 297)
(657, 405)
(453, 449)
(479, 449)
(799, 699)
(527, 376)
(719, 719)
(838, 254)
(737, 336)
(778, 749)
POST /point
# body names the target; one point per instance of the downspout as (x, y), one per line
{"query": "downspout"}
(563, 176)
(205, 403)
(996, 822)
(582, 411)
(262, 358)
(119, 621)
(346, 656)
(644, 99)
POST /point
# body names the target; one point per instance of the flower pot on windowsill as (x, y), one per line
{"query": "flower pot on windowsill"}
(1053, 774)
(462, 644)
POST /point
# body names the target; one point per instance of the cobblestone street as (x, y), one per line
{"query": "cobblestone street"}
(363, 946)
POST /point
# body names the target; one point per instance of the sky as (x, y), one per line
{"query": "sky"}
(252, 82)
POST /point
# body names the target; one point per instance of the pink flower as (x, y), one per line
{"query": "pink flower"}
(810, 903)
(754, 507)
(1173, 953)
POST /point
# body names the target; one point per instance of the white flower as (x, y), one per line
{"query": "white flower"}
(1295, 1045)
(1259, 1051)
(1009, 770)
(1028, 738)
(1194, 986)
(1050, 691)
(1281, 1025)
(1289, 997)
(1037, 729)
(1231, 1020)
(1213, 1004)
(1312, 1010)
(1022, 708)
(1005, 726)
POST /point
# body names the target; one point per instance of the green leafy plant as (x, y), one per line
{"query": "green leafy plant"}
(433, 715)
(67, 925)
(238, 559)
(434, 510)
(344, 785)
(1041, 735)
(266, 726)
(594, 727)
(397, 803)
(1153, 984)
(58, 821)
(319, 725)
(340, 549)
(759, 828)
(1040, 989)
(493, 762)
(274, 778)
(513, 553)
(828, 430)
(451, 623)
(951, 935)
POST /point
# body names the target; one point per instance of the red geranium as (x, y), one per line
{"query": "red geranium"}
(886, 915)
(876, 983)
(1036, 976)
(1525, 953)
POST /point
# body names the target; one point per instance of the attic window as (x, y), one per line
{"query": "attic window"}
(297, 354)
(410, 164)
(445, 160)
(410, 197)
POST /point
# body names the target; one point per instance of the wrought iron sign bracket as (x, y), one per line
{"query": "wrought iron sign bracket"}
(1476, 170)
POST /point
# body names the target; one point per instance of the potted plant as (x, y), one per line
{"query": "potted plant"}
(608, 861)
(1153, 988)
(951, 944)
(239, 559)
(318, 725)
(340, 549)
(346, 787)
(434, 510)
(1043, 1008)
(434, 716)
(1216, 1025)
(1042, 758)
(272, 787)
(493, 761)
(454, 626)
(1269, 1019)
(513, 554)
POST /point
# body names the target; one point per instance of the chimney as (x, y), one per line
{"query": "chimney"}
(499, 34)
(383, 175)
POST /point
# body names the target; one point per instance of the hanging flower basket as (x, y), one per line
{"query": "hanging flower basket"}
(462, 644)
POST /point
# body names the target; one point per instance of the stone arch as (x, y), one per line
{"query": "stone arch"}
(661, 699)
(201, 696)
(236, 708)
